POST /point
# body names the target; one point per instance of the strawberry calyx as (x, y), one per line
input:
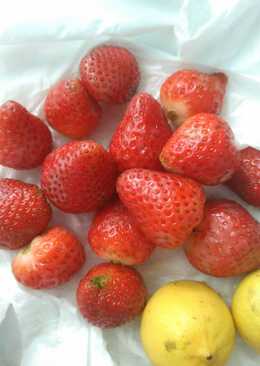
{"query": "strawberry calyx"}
(100, 281)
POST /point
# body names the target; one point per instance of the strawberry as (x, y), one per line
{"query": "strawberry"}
(188, 92)
(110, 74)
(227, 242)
(202, 148)
(246, 180)
(79, 176)
(139, 138)
(50, 260)
(114, 236)
(111, 294)
(24, 213)
(24, 139)
(166, 207)
(71, 110)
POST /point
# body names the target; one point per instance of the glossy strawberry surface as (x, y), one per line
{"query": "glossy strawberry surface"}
(115, 236)
(111, 294)
(71, 110)
(227, 242)
(246, 180)
(24, 139)
(110, 74)
(79, 176)
(24, 213)
(202, 148)
(141, 135)
(188, 92)
(50, 260)
(166, 207)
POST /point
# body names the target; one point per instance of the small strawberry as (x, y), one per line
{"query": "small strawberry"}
(227, 242)
(24, 139)
(114, 236)
(166, 207)
(246, 179)
(79, 176)
(71, 110)
(24, 213)
(110, 74)
(202, 148)
(188, 92)
(50, 260)
(111, 294)
(139, 138)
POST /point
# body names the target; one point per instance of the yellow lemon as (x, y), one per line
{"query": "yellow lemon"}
(246, 309)
(186, 323)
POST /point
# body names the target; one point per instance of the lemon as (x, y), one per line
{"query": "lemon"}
(186, 323)
(246, 309)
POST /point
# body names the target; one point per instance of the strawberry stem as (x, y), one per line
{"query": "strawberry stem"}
(99, 281)
(172, 116)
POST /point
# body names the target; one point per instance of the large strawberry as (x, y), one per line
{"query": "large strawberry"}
(24, 139)
(111, 294)
(188, 92)
(114, 236)
(71, 110)
(167, 207)
(79, 176)
(110, 74)
(227, 242)
(50, 260)
(202, 148)
(246, 179)
(24, 213)
(139, 138)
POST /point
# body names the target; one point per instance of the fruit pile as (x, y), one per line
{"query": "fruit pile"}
(147, 191)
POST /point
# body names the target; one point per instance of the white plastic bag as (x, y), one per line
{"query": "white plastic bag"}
(43, 327)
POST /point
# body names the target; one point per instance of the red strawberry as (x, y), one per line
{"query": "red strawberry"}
(166, 207)
(188, 92)
(71, 110)
(24, 139)
(139, 138)
(111, 294)
(79, 176)
(110, 74)
(202, 148)
(114, 236)
(50, 260)
(227, 242)
(24, 213)
(246, 180)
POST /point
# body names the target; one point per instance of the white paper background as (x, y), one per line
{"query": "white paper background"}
(41, 42)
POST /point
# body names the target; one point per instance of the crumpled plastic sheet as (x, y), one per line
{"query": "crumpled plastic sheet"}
(39, 328)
